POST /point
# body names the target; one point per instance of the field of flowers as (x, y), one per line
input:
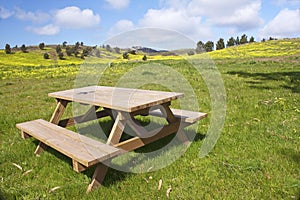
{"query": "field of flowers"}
(268, 49)
(256, 157)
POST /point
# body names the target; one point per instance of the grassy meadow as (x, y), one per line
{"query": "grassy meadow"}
(256, 157)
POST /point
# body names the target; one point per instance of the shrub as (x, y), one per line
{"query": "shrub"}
(58, 49)
(46, 56)
(190, 53)
(126, 55)
(61, 56)
(7, 49)
(144, 58)
(69, 51)
(24, 49)
(42, 46)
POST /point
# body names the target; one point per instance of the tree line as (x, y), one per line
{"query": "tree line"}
(220, 44)
(78, 50)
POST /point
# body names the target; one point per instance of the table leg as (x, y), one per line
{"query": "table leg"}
(181, 135)
(59, 111)
(114, 138)
(98, 176)
(56, 116)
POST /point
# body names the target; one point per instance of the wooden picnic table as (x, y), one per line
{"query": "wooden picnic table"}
(121, 104)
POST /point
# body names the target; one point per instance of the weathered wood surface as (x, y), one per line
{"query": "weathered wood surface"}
(185, 115)
(123, 99)
(80, 148)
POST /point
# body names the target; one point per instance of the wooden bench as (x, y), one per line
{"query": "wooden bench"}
(84, 151)
(186, 116)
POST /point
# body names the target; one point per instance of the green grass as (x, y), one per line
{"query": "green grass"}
(283, 49)
(256, 157)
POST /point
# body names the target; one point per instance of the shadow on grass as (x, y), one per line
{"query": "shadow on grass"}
(291, 79)
(291, 153)
(114, 175)
(6, 196)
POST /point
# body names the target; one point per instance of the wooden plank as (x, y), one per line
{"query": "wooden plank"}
(59, 111)
(78, 147)
(185, 115)
(77, 166)
(24, 135)
(117, 130)
(123, 99)
(137, 142)
(170, 116)
(98, 176)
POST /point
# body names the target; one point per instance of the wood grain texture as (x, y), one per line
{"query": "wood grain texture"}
(80, 148)
(185, 115)
(122, 99)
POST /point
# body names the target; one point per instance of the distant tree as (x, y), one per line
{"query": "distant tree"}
(64, 44)
(81, 44)
(46, 56)
(263, 40)
(200, 47)
(251, 39)
(77, 44)
(125, 55)
(42, 46)
(220, 44)
(271, 38)
(108, 48)
(117, 50)
(144, 58)
(24, 49)
(7, 49)
(86, 52)
(69, 51)
(244, 39)
(97, 53)
(209, 46)
(237, 41)
(230, 42)
(58, 49)
(76, 53)
(61, 56)
(190, 53)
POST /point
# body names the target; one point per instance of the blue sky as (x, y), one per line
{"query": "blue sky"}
(31, 22)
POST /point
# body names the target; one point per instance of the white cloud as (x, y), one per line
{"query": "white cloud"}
(75, 18)
(67, 18)
(175, 19)
(45, 30)
(121, 26)
(4, 13)
(241, 14)
(36, 17)
(285, 24)
(118, 4)
(243, 18)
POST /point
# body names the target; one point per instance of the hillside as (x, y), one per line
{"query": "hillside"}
(285, 49)
(35, 56)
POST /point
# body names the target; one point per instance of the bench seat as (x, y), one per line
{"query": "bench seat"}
(186, 116)
(80, 148)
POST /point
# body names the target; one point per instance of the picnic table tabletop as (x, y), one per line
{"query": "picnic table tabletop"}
(123, 99)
